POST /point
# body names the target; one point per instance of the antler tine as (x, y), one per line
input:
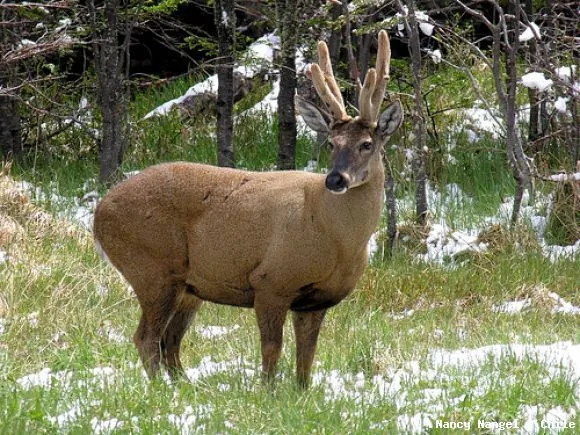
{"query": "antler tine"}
(337, 110)
(326, 66)
(373, 91)
(383, 77)
(364, 99)
(325, 84)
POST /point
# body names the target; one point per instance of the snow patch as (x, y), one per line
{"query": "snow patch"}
(260, 53)
(532, 31)
(225, 18)
(482, 120)
(3, 256)
(187, 421)
(208, 368)
(106, 426)
(536, 80)
(77, 210)
(441, 368)
(511, 307)
(435, 55)
(562, 306)
(68, 417)
(565, 177)
(25, 43)
(560, 104)
(565, 73)
(426, 28)
(111, 334)
(444, 244)
(215, 331)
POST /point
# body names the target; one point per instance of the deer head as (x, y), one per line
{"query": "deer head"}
(356, 142)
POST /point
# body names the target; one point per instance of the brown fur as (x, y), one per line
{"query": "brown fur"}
(181, 233)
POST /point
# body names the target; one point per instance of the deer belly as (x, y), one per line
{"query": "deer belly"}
(224, 295)
(312, 299)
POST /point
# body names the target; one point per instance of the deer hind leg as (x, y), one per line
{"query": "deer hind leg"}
(176, 329)
(306, 327)
(158, 311)
(271, 317)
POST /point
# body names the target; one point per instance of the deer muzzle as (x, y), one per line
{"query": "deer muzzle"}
(337, 182)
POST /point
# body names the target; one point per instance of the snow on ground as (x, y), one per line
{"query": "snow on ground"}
(268, 106)
(77, 210)
(426, 385)
(210, 331)
(259, 55)
(512, 307)
(110, 333)
(558, 303)
(445, 242)
(481, 120)
(99, 378)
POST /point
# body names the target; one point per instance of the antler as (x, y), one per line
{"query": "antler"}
(325, 84)
(373, 91)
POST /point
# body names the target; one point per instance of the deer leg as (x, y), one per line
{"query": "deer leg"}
(271, 319)
(306, 327)
(173, 335)
(148, 338)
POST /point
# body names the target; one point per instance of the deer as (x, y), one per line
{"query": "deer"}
(289, 241)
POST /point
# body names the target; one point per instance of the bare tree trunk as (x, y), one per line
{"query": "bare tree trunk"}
(10, 122)
(517, 159)
(335, 40)
(419, 166)
(225, 23)
(110, 60)
(364, 54)
(505, 40)
(10, 127)
(352, 66)
(534, 119)
(391, 205)
(287, 19)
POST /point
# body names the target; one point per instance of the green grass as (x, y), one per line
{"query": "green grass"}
(77, 297)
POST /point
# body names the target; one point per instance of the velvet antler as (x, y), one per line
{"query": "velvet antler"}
(373, 90)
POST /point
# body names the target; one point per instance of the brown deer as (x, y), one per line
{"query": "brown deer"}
(183, 233)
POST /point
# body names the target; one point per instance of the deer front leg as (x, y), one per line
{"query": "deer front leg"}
(307, 327)
(271, 317)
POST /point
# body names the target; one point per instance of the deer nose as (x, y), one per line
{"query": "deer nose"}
(336, 182)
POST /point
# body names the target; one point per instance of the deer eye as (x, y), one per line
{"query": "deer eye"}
(366, 146)
(330, 145)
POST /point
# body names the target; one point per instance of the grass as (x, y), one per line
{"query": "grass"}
(63, 309)
(76, 298)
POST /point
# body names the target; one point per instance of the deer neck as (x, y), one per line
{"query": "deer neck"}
(354, 216)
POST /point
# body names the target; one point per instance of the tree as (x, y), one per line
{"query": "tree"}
(27, 35)
(504, 55)
(286, 11)
(408, 13)
(225, 23)
(111, 60)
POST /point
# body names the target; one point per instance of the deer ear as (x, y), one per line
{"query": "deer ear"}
(312, 115)
(390, 119)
